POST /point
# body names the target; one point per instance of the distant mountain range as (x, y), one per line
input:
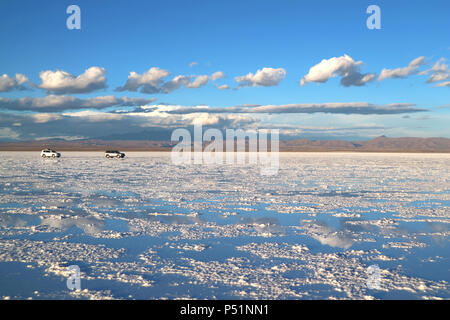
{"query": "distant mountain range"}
(379, 144)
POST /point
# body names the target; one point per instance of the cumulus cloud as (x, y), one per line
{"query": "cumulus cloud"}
(438, 77)
(217, 75)
(443, 84)
(411, 69)
(202, 80)
(265, 77)
(440, 67)
(11, 83)
(57, 103)
(174, 84)
(344, 67)
(439, 72)
(148, 82)
(61, 82)
(357, 79)
(223, 87)
(198, 82)
(152, 81)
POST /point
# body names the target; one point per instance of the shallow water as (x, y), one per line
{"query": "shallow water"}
(143, 228)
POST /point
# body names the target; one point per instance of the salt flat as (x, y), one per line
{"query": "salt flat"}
(143, 228)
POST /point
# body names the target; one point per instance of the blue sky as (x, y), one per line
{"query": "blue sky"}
(195, 39)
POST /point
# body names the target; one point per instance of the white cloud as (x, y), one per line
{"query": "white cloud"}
(9, 83)
(223, 87)
(56, 103)
(438, 77)
(203, 119)
(193, 64)
(207, 119)
(8, 134)
(152, 81)
(343, 66)
(21, 79)
(168, 115)
(443, 84)
(338, 108)
(45, 117)
(61, 82)
(364, 108)
(199, 81)
(357, 79)
(412, 68)
(149, 82)
(217, 75)
(439, 72)
(327, 235)
(95, 116)
(265, 77)
(202, 80)
(174, 84)
(440, 67)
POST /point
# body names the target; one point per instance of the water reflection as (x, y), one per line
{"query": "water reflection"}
(8, 220)
(173, 218)
(264, 226)
(327, 235)
(90, 225)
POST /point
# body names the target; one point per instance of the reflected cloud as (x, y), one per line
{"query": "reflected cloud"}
(265, 226)
(441, 232)
(326, 235)
(174, 218)
(12, 221)
(89, 225)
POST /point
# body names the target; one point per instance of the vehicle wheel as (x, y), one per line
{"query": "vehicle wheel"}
(107, 156)
(43, 156)
(53, 156)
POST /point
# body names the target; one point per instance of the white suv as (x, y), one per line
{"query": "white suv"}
(48, 153)
(114, 154)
